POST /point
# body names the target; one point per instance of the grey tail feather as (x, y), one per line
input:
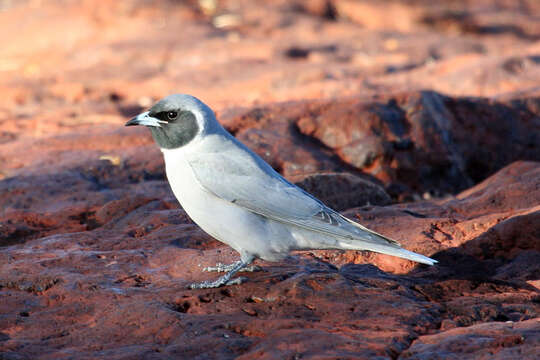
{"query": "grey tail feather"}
(392, 249)
(388, 250)
(382, 244)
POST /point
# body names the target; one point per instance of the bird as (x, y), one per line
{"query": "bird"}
(236, 197)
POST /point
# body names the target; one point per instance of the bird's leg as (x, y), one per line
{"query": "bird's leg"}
(220, 267)
(225, 279)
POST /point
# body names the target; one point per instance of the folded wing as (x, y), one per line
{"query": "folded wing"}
(249, 182)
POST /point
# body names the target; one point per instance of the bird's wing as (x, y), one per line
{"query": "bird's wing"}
(241, 177)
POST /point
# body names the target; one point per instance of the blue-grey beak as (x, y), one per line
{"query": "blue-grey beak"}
(146, 120)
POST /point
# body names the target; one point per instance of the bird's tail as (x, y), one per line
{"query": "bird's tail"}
(367, 239)
(346, 234)
(393, 250)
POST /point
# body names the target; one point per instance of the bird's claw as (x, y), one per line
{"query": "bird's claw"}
(218, 283)
(220, 267)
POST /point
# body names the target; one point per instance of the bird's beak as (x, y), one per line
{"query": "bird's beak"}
(145, 119)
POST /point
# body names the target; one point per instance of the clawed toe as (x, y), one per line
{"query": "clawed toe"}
(218, 283)
(219, 268)
(226, 268)
(225, 279)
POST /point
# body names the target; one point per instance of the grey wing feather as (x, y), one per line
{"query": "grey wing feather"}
(247, 181)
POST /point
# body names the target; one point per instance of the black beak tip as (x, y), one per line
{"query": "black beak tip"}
(132, 122)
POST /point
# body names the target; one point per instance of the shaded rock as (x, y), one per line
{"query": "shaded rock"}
(525, 266)
(507, 238)
(423, 139)
(520, 191)
(491, 340)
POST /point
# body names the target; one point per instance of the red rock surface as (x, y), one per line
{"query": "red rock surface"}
(419, 119)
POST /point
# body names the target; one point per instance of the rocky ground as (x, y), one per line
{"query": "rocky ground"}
(419, 119)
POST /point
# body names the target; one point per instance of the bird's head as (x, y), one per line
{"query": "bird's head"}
(177, 120)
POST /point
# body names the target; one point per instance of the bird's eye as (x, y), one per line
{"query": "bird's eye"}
(171, 115)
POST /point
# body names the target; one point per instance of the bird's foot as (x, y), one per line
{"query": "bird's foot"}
(225, 279)
(226, 268)
(218, 283)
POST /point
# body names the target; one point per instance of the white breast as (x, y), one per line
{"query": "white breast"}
(197, 202)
